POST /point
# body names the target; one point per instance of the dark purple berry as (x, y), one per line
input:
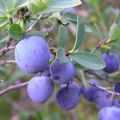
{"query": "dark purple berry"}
(73, 85)
(102, 99)
(32, 54)
(63, 73)
(111, 61)
(89, 93)
(116, 102)
(67, 98)
(117, 87)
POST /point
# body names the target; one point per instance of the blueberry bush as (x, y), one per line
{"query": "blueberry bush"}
(59, 59)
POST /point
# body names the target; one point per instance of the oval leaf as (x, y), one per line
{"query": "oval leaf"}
(15, 32)
(62, 36)
(80, 34)
(114, 33)
(89, 60)
(58, 5)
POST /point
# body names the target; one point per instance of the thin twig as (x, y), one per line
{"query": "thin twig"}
(13, 87)
(2, 62)
(102, 42)
(4, 50)
(105, 89)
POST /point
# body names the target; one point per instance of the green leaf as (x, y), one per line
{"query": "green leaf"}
(3, 40)
(71, 17)
(37, 6)
(15, 32)
(37, 33)
(3, 22)
(118, 19)
(58, 5)
(62, 36)
(93, 2)
(80, 35)
(9, 6)
(89, 60)
(60, 55)
(114, 33)
(81, 76)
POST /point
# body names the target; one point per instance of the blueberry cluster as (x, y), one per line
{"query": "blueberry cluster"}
(103, 100)
(32, 55)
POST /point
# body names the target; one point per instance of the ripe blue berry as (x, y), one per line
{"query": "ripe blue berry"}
(116, 102)
(40, 89)
(117, 87)
(102, 99)
(112, 62)
(89, 93)
(67, 98)
(32, 54)
(109, 113)
(73, 85)
(62, 73)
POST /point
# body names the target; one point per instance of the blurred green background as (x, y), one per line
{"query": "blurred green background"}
(16, 104)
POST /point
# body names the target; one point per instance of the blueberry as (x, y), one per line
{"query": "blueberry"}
(116, 102)
(89, 93)
(111, 61)
(67, 98)
(102, 99)
(117, 87)
(40, 89)
(32, 54)
(73, 85)
(62, 73)
(109, 113)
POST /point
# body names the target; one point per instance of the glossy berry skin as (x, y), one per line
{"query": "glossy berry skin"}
(111, 61)
(62, 73)
(117, 87)
(89, 93)
(68, 10)
(40, 89)
(67, 98)
(32, 54)
(73, 85)
(109, 113)
(102, 99)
